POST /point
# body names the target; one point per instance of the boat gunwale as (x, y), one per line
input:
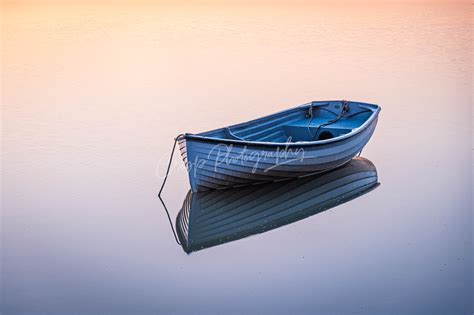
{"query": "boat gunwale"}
(373, 107)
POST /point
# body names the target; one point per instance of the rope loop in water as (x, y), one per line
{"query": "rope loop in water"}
(163, 186)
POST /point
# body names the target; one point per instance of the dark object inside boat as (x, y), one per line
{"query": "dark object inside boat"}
(325, 135)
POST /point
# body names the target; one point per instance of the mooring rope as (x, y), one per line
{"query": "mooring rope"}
(345, 109)
(163, 186)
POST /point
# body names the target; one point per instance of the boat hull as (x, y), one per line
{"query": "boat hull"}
(224, 164)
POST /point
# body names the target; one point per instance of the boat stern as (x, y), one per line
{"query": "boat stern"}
(185, 148)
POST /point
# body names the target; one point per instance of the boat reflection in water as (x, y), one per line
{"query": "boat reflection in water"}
(211, 218)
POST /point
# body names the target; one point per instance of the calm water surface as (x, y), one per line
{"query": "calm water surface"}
(94, 94)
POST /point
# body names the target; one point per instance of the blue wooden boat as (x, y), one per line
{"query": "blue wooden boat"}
(307, 139)
(214, 217)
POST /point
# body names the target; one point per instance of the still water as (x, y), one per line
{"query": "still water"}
(93, 94)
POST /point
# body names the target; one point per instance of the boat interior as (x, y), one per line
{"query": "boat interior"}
(314, 121)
